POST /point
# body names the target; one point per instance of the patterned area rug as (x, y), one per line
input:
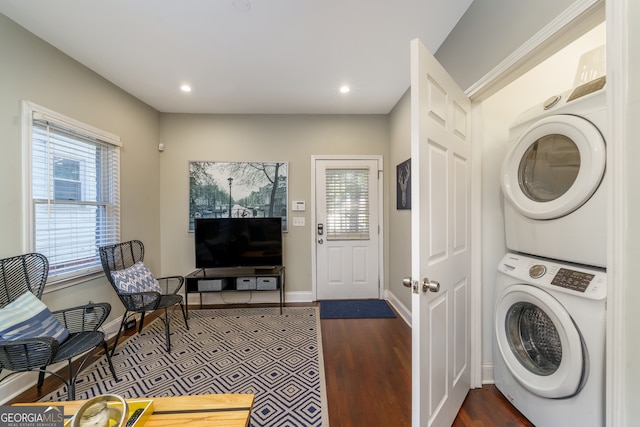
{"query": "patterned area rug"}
(276, 357)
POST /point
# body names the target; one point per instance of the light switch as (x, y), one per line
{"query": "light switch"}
(298, 221)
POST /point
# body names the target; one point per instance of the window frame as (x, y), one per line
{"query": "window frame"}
(29, 110)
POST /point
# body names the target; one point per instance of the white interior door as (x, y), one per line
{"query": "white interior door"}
(440, 247)
(346, 229)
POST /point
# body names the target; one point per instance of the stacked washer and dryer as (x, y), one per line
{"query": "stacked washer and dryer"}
(549, 335)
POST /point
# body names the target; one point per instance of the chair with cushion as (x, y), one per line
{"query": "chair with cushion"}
(139, 291)
(32, 337)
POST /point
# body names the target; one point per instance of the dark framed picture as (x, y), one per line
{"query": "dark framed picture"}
(238, 190)
(403, 185)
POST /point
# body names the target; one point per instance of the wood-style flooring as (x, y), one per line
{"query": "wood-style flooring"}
(368, 374)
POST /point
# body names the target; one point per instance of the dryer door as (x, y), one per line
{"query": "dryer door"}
(554, 167)
(539, 342)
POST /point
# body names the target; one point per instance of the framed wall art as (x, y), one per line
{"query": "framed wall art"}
(403, 185)
(238, 189)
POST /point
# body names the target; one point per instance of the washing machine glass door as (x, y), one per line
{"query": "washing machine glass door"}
(539, 342)
(554, 167)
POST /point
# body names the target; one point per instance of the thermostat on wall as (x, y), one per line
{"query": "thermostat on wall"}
(298, 205)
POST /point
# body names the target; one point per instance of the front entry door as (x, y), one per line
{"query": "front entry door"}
(346, 229)
(440, 246)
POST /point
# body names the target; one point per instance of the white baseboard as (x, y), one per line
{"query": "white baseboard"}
(402, 310)
(487, 373)
(299, 296)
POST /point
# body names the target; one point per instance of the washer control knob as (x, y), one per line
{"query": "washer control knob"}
(537, 271)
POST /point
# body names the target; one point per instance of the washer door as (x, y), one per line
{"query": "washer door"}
(554, 167)
(539, 342)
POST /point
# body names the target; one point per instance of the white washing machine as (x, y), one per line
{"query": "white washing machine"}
(553, 178)
(549, 340)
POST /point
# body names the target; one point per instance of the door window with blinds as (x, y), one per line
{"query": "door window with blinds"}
(74, 200)
(347, 193)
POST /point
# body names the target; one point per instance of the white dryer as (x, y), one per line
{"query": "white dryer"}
(549, 340)
(553, 178)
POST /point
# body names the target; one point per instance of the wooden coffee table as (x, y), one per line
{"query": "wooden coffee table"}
(228, 410)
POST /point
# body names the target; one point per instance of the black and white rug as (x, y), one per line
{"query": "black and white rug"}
(256, 350)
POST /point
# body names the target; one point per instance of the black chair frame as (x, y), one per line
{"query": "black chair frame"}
(28, 273)
(123, 255)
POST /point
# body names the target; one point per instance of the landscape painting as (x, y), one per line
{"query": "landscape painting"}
(238, 190)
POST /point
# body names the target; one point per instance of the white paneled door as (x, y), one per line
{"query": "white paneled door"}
(440, 247)
(347, 228)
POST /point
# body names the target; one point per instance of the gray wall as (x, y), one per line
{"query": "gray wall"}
(399, 220)
(489, 31)
(33, 70)
(289, 138)
(155, 185)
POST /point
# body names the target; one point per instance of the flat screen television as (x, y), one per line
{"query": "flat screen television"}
(238, 242)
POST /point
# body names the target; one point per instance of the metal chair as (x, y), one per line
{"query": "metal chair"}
(28, 273)
(124, 256)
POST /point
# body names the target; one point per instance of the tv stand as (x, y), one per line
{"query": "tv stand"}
(204, 280)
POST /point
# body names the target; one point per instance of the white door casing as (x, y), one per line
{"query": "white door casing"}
(346, 268)
(440, 246)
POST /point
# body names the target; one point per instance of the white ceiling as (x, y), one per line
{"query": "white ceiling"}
(246, 56)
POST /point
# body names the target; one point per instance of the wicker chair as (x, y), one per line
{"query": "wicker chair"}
(28, 273)
(124, 256)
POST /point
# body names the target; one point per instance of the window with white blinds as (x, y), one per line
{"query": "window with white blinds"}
(75, 195)
(347, 195)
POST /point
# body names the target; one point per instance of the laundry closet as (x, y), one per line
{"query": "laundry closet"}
(580, 62)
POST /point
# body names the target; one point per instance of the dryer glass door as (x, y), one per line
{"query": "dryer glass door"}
(539, 342)
(549, 168)
(554, 167)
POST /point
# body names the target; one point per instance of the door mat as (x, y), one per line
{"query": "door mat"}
(355, 309)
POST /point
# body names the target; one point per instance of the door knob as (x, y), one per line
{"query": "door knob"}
(430, 285)
(427, 285)
(410, 283)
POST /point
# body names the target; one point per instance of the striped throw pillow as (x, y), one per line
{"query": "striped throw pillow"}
(28, 317)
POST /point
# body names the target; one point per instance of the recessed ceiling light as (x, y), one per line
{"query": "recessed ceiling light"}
(345, 89)
(185, 88)
(242, 5)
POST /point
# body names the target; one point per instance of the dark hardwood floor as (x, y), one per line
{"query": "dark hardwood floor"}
(368, 374)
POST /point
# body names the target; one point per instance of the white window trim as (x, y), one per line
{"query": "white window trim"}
(28, 110)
